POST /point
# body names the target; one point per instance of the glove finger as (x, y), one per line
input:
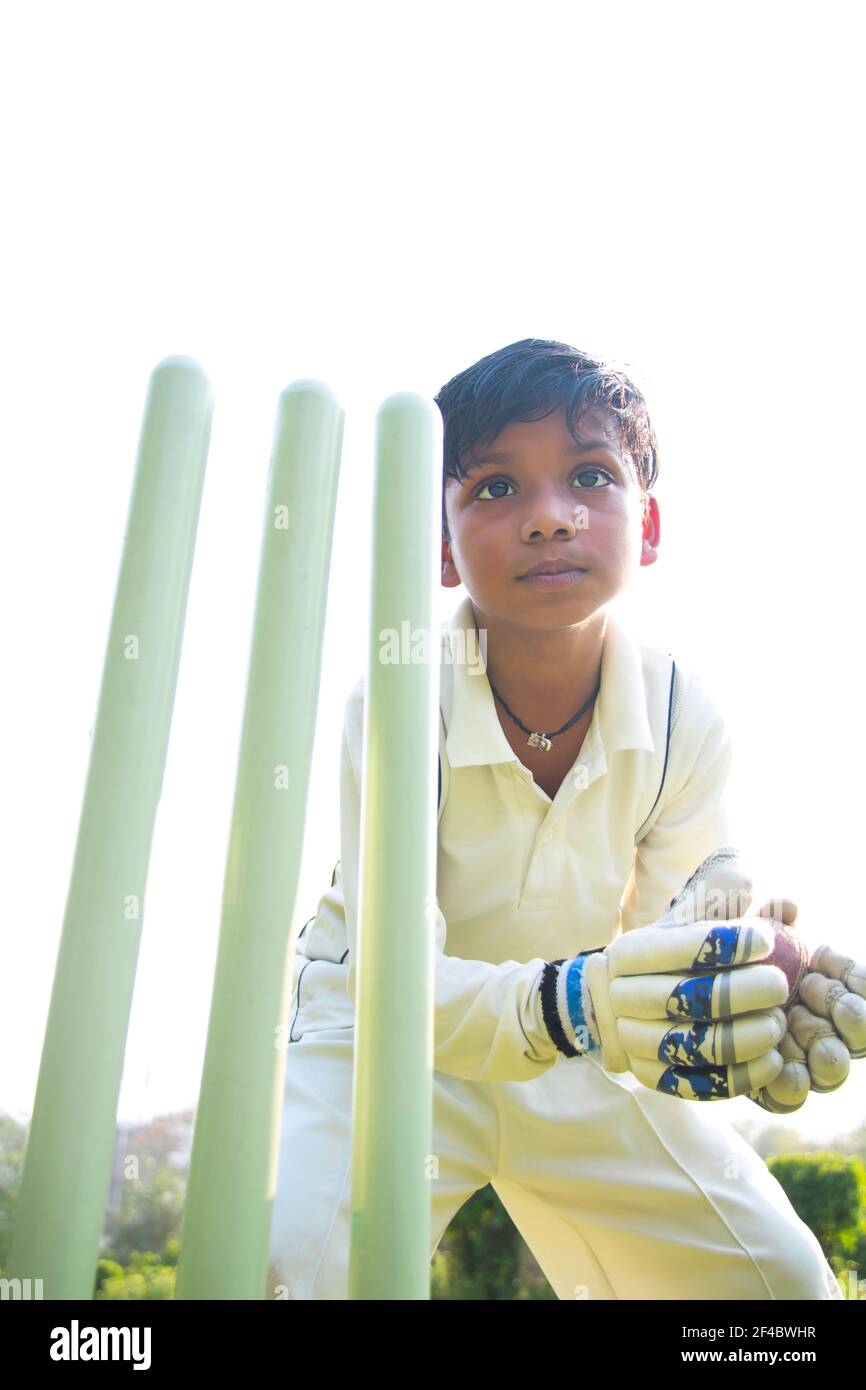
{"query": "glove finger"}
(791, 1049)
(719, 888)
(708, 1083)
(828, 998)
(828, 962)
(721, 995)
(781, 909)
(788, 1092)
(827, 1057)
(703, 1044)
(699, 946)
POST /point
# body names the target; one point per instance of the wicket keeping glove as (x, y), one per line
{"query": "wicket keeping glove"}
(684, 1004)
(826, 1021)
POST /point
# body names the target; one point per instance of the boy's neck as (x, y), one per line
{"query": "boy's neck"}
(542, 674)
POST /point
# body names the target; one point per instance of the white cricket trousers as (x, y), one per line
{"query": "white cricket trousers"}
(619, 1191)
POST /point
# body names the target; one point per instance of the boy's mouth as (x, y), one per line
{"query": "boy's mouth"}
(552, 567)
(556, 579)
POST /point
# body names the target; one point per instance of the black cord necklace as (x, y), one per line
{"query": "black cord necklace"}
(538, 740)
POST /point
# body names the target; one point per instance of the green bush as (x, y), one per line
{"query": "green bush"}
(144, 1278)
(827, 1191)
(150, 1215)
(482, 1256)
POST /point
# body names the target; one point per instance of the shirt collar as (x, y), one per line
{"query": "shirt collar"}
(474, 734)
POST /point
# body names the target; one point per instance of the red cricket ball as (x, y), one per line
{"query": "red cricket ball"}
(792, 958)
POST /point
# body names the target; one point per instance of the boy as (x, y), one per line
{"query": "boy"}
(569, 816)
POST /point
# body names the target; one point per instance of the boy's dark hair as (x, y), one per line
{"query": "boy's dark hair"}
(527, 381)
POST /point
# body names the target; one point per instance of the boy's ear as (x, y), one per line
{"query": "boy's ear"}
(651, 530)
(450, 578)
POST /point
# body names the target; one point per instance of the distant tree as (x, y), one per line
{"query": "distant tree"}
(827, 1191)
(150, 1214)
(13, 1139)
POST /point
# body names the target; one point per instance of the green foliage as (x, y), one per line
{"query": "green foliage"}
(149, 1217)
(13, 1139)
(144, 1278)
(852, 1246)
(106, 1269)
(826, 1190)
(482, 1256)
(171, 1251)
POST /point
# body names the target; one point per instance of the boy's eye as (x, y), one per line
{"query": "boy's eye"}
(596, 472)
(493, 482)
(584, 473)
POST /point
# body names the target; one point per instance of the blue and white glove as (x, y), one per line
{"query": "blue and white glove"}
(684, 1004)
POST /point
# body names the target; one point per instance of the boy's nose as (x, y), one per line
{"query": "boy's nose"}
(548, 524)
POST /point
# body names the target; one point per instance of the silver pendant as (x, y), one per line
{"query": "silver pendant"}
(539, 741)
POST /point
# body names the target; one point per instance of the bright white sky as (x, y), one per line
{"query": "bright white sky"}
(378, 195)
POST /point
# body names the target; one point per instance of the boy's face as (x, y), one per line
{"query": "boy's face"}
(549, 501)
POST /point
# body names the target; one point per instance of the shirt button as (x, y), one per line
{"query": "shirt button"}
(546, 837)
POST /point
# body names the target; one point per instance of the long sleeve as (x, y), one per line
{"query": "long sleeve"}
(694, 818)
(488, 1024)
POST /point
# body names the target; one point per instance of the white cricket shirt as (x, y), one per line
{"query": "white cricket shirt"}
(522, 879)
